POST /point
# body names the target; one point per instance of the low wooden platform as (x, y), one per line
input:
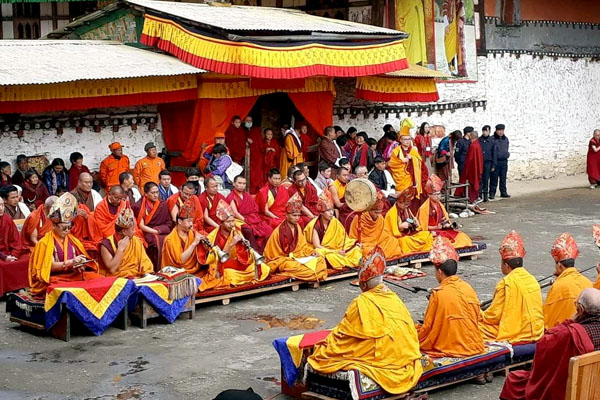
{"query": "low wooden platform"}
(143, 312)
(418, 264)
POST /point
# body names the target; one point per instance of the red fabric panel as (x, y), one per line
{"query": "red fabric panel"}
(14, 275)
(315, 107)
(213, 116)
(96, 288)
(311, 338)
(396, 97)
(176, 121)
(84, 103)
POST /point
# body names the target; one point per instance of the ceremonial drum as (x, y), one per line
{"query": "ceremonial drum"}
(360, 195)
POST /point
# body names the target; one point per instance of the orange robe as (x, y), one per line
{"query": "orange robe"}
(275, 202)
(291, 154)
(111, 168)
(135, 262)
(372, 234)
(597, 283)
(36, 220)
(450, 327)
(105, 219)
(419, 241)
(173, 247)
(85, 230)
(286, 251)
(198, 218)
(561, 298)
(53, 249)
(147, 170)
(432, 213)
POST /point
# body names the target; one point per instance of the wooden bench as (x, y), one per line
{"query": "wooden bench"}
(144, 311)
(584, 377)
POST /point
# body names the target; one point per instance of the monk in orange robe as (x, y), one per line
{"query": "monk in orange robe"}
(291, 154)
(123, 254)
(433, 216)
(14, 257)
(176, 201)
(272, 199)
(451, 324)
(147, 169)
(108, 210)
(206, 156)
(287, 251)
(338, 190)
(368, 228)
(59, 256)
(309, 196)
(85, 230)
(37, 224)
(209, 200)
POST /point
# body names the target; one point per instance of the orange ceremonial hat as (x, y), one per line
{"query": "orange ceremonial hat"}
(434, 184)
(224, 210)
(564, 248)
(294, 204)
(188, 209)
(512, 246)
(407, 195)
(219, 135)
(125, 219)
(372, 265)
(115, 146)
(325, 201)
(596, 234)
(442, 251)
(379, 201)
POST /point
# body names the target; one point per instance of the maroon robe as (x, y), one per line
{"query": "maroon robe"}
(235, 140)
(472, 172)
(257, 177)
(280, 196)
(593, 162)
(547, 379)
(159, 219)
(247, 206)
(211, 205)
(309, 200)
(13, 275)
(34, 196)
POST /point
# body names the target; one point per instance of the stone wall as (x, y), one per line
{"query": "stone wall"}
(93, 145)
(549, 106)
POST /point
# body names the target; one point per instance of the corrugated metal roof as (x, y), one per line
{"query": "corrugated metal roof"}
(417, 71)
(248, 18)
(54, 61)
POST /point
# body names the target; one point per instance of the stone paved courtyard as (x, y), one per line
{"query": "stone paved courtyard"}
(230, 346)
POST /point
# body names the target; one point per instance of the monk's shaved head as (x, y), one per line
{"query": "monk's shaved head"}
(50, 201)
(589, 299)
(116, 191)
(85, 176)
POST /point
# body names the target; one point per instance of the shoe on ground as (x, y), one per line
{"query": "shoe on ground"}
(480, 380)
(505, 196)
(592, 187)
(485, 198)
(492, 197)
(489, 377)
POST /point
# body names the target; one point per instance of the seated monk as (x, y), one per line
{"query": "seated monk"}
(13, 255)
(58, 256)
(37, 224)
(176, 201)
(596, 235)
(153, 220)
(368, 228)
(401, 223)
(515, 314)
(123, 254)
(287, 251)
(309, 196)
(433, 216)
(550, 371)
(245, 209)
(240, 266)
(338, 190)
(377, 335)
(84, 193)
(209, 200)
(560, 301)
(329, 238)
(450, 327)
(85, 230)
(272, 199)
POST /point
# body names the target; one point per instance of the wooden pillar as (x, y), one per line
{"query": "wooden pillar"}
(378, 13)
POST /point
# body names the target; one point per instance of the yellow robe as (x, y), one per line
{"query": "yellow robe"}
(334, 241)
(400, 173)
(377, 337)
(410, 18)
(516, 313)
(420, 241)
(450, 327)
(287, 264)
(461, 240)
(373, 234)
(290, 155)
(135, 262)
(560, 301)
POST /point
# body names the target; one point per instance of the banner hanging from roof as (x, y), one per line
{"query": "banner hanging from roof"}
(394, 89)
(272, 60)
(228, 87)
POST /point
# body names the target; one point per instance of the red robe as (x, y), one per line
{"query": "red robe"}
(37, 219)
(280, 198)
(547, 379)
(472, 172)
(593, 162)
(307, 141)
(211, 205)
(86, 231)
(13, 275)
(247, 206)
(105, 217)
(309, 200)
(235, 140)
(157, 217)
(34, 195)
(198, 219)
(74, 173)
(257, 178)
(271, 158)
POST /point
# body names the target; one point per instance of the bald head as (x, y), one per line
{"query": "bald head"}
(115, 196)
(589, 300)
(50, 202)
(85, 182)
(116, 190)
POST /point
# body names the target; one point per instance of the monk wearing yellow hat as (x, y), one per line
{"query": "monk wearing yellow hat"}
(287, 251)
(377, 335)
(515, 314)
(560, 301)
(328, 236)
(450, 327)
(433, 216)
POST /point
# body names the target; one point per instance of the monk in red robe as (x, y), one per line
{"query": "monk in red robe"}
(272, 198)
(14, 258)
(235, 140)
(85, 230)
(473, 169)
(108, 210)
(176, 202)
(306, 139)
(270, 151)
(547, 379)
(154, 221)
(209, 200)
(309, 196)
(245, 209)
(37, 224)
(593, 159)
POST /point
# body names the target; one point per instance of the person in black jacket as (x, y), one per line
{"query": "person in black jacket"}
(488, 148)
(461, 149)
(502, 156)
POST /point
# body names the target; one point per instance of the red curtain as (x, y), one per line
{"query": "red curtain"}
(176, 119)
(316, 108)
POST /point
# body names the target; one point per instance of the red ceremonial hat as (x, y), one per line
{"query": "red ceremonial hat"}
(442, 251)
(564, 248)
(379, 201)
(512, 246)
(407, 195)
(596, 234)
(188, 209)
(325, 201)
(434, 184)
(294, 204)
(372, 265)
(224, 210)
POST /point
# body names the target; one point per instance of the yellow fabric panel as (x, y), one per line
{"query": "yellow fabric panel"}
(516, 313)
(225, 51)
(377, 337)
(293, 345)
(560, 301)
(399, 170)
(334, 241)
(240, 87)
(382, 84)
(410, 18)
(97, 88)
(160, 289)
(451, 41)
